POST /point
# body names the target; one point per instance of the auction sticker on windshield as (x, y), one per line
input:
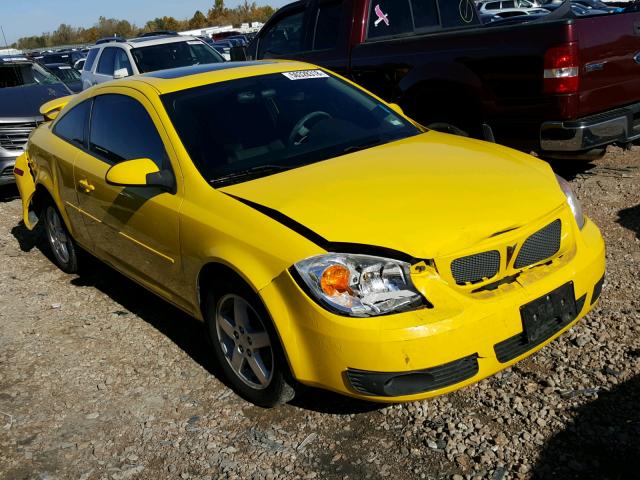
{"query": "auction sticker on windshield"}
(305, 74)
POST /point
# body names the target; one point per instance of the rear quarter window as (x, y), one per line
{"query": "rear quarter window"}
(71, 126)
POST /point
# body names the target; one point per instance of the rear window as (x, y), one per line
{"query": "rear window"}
(174, 55)
(398, 17)
(327, 26)
(91, 58)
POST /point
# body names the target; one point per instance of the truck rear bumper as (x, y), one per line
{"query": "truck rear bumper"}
(617, 126)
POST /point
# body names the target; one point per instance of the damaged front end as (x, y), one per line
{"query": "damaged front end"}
(25, 182)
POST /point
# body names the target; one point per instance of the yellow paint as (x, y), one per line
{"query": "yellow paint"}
(434, 196)
(131, 172)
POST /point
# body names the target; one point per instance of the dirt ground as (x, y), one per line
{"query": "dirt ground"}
(99, 379)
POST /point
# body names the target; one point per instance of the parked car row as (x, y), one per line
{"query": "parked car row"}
(497, 10)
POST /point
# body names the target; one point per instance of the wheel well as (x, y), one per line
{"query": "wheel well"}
(444, 102)
(40, 198)
(215, 275)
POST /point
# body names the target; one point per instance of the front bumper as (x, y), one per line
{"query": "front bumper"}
(616, 126)
(429, 351)
(6, 170)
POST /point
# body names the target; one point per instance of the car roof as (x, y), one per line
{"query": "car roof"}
(175, 79)
(140, 42)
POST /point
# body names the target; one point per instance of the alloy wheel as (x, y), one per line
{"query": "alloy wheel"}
(57, 235)
(244, 341)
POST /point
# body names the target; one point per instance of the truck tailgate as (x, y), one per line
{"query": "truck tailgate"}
(610, 74)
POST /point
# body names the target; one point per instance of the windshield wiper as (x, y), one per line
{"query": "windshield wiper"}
(361, 146)
(253, 172)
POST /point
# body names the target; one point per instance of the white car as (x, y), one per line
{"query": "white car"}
(120, 58)
(497, 6)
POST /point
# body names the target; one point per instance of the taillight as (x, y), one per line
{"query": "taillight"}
(562, 69)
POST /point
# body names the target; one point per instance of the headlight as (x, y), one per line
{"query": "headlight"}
(360, 285)
(572, 200)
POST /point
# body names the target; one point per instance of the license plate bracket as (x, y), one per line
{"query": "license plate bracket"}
(543, 315)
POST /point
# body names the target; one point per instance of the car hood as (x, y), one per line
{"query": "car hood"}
(425, 196)
(25, 101)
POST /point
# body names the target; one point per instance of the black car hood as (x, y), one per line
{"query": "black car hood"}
(25, 101)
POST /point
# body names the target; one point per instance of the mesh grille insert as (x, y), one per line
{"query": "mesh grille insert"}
(540, 246)
(475, 268)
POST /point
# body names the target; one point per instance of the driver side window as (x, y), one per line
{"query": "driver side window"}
(284, 37)
(121, 129)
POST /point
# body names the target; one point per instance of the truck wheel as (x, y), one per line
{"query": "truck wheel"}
(60, 242)
(247, 347)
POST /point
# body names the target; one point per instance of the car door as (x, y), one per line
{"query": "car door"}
(106, 65)
(136, 229)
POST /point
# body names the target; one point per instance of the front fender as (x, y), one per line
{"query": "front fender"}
(26, 187)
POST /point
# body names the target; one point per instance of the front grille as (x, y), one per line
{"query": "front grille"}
(13, 136)
(7, 172)
(475, 268)
(417, 381)
(540, 246)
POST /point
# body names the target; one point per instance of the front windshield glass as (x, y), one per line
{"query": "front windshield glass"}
(256, 126)
(67, 74)
(174, 55)
(21, 74)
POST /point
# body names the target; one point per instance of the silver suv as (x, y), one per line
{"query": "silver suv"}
(121, 58)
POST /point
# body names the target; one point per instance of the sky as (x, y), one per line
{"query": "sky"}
(23, 18)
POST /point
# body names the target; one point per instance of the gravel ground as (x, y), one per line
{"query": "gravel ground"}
(101, 380)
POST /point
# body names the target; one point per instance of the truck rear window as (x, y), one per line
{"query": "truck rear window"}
(398, 17)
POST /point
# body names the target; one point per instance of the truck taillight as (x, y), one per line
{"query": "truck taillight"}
(562, 69)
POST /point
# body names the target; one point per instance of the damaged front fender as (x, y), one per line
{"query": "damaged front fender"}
(27, 188)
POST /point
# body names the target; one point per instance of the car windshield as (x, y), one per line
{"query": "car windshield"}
(21, 74)
(67, 74)
(256, 126)
(173, 55)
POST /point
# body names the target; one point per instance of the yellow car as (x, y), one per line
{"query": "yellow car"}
(323, 237)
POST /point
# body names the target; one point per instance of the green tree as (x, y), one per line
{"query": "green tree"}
(198, 20)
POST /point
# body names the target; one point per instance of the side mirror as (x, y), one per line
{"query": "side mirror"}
(120, 73)
(396, 108)
(140, 172)
(238, 54)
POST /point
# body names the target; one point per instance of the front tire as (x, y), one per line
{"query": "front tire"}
(61, 244)
(247, 347)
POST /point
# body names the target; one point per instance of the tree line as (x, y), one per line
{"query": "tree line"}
(219, 14)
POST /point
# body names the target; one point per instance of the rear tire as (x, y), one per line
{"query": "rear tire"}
(247, 346)
(61, 244)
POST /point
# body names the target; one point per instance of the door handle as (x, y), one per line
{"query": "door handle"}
(86, 186)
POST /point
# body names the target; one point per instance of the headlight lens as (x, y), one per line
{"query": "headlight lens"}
(360, 285)
(572, 200)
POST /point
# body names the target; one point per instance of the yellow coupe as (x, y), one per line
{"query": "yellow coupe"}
(323, 237)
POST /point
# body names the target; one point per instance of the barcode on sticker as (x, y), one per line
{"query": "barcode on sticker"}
(305, 74)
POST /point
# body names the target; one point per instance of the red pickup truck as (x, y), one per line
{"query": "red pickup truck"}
(560, 85)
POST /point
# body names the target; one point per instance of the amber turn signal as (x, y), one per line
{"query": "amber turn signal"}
(335, 280)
